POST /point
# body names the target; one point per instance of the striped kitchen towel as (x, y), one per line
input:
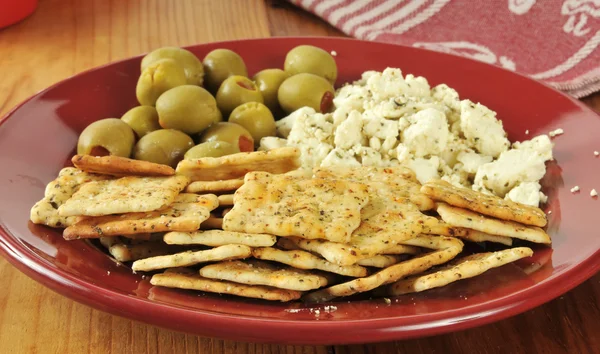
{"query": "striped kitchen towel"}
(555, 41)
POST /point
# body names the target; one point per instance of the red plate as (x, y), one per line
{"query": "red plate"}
(39, 135)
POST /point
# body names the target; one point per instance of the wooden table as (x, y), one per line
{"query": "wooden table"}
(65, 37)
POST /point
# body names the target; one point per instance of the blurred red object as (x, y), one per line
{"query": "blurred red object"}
(13, 11)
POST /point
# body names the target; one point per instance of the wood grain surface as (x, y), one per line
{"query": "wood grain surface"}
(64, 37)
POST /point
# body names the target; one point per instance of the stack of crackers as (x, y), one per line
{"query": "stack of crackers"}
(253, 225)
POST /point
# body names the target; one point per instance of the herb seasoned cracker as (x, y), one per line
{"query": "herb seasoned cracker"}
(380, 261)
(193, 281)
(219, 238)
(276, 161)
(463, 268)
(123, 195)
(263, 273)
(305, 260)
(57, 192)
(334, 252)
(468, 219)
(126, 253)
(288, 206)
(214, 186)
(489, 205)
(397, 181)
(402, 249)
(390, 274)
(185, 215)
(478, 236)
(120, 166)
(226, 200)
(185, 259)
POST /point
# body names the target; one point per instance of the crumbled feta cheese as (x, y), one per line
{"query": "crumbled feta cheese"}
(390, 83)
(349, 132)
(271, 142)
(449, 97)
(379, 127)
(284, 125)
(427, 134)
(511, 168)
(596, 153)
(481, 128)
(540, 144)
(575, 189)
(339, 157)
(425, 169)
(352, 97)
(556, 132)
(593, 193)
(526, 193)
(369, 156)
(527, 132)
(471, 161)
(333, 53)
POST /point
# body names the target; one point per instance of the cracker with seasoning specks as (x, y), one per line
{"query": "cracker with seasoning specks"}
(57, 192)
(449, 248)
(306, 260)
(219, 238)
(124, 195)
(471, 220)
(228, 185)
(397, 181)
(276, 161)
(380, 261)
(187, 279)
(120, 166)
(254, 272)
(185, 215)
(289, 206)
(478, 236)
(466, 267)
(489, 205)
(123, 252)
(189, 258)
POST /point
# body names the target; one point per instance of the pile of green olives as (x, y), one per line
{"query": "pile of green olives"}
(191, 108)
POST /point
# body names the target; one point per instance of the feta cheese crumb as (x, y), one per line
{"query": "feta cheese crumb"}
(575, 189)
(556, 132)
(549, 212)
(596, 153)
(527, 132)
(387, 301)
(593, 193)
(333, 53)
(527, 193)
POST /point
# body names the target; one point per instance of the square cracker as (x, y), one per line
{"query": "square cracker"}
(463, 268)
(489, 205)
(219, 238)
(390, 274)
(188, 258)
(398, 181)
(193, 281)
(380, 261)
(276, 161)
(126, 253)
(120, 166)
(185, 215)
(227, 185)
(470, 220)
(478, 236)
(289, 206)
(57, 192)
(306, 260)
(263, 273)
(124, 195)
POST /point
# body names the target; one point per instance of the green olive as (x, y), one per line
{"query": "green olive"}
(236, 90)
(211, 149)
(231, 133)
(312, 60)
(188, 108)
(165, 146)
(221, 64)
(158, 77)
(192, 66)
(307, 90)
(109, 136)
(268, 82)
(256, 118)
(142, 119)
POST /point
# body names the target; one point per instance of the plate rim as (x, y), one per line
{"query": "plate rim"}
(375, 330)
